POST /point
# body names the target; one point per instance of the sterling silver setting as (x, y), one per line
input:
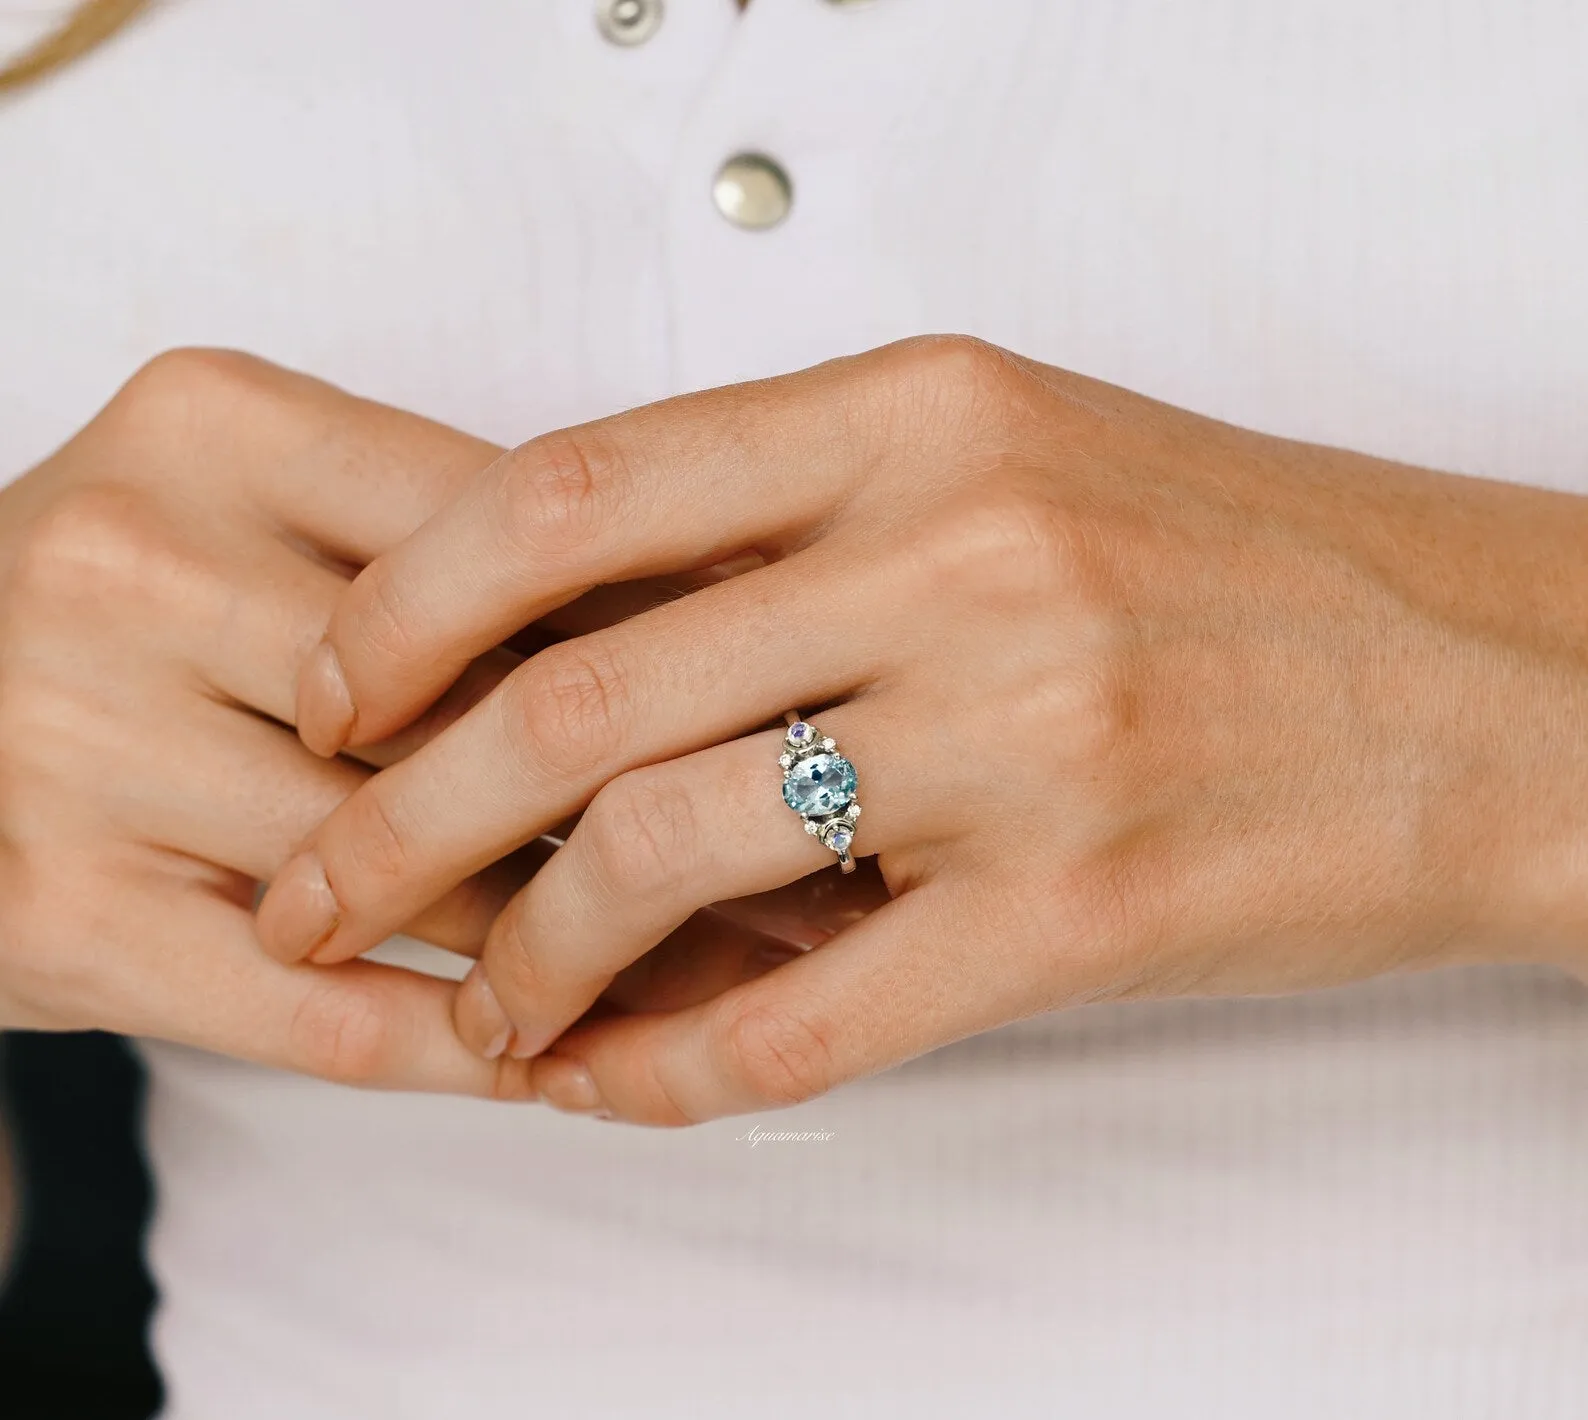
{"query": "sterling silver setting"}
(819, 784)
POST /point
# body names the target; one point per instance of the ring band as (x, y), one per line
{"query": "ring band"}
(819, 785)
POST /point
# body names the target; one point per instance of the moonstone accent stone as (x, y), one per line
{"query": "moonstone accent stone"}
(819, 784)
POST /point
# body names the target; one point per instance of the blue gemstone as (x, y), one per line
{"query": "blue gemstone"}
(820, 784)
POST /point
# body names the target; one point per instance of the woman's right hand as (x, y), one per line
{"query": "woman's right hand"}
(162, 578)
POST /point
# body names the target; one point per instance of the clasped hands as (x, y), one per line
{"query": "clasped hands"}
(1141, 703)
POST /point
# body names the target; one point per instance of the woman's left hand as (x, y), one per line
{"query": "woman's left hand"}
(1140, 704)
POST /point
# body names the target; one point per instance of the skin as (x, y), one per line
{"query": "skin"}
(162, 580)
(1142, 705)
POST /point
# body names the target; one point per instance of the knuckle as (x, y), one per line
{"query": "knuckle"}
(643, 836)
(953, 359)
(1103, 714)
(561, 491)
(195, 367)
(97, 540)
(781, 1053)
(572, 703)
(933, 392)
(341, 1032)
(177, 391)
(958, 373)
(1013, 544)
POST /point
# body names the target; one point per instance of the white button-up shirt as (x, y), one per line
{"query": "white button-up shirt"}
(1354, 221)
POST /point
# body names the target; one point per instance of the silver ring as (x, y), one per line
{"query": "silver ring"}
(819, 785)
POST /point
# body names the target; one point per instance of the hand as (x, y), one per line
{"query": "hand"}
(161, 579)
(1141, 704)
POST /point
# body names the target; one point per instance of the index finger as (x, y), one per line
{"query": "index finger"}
(675, 485)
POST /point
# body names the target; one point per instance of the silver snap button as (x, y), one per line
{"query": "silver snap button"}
(628, 21)
(752, 191)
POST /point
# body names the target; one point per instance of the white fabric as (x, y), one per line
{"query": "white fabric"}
(1358, 221)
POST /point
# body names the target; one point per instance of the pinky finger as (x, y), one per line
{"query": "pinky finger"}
(872, 997)
(359, 1023)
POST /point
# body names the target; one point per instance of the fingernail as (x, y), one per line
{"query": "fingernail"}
(492, 1018)
(325, 707)
(300, 911)
(529, 1043)
(567, 1085)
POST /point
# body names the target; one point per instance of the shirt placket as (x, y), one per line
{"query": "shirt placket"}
(818, 121)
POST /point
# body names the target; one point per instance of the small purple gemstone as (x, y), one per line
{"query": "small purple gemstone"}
(798, 732)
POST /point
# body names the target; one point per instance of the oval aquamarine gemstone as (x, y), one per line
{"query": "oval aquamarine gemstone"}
(819, 784)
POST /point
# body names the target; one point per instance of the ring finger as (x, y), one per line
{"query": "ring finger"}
(661, 842)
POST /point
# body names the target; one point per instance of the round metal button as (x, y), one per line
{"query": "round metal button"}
(752, 191)
(628, 21)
